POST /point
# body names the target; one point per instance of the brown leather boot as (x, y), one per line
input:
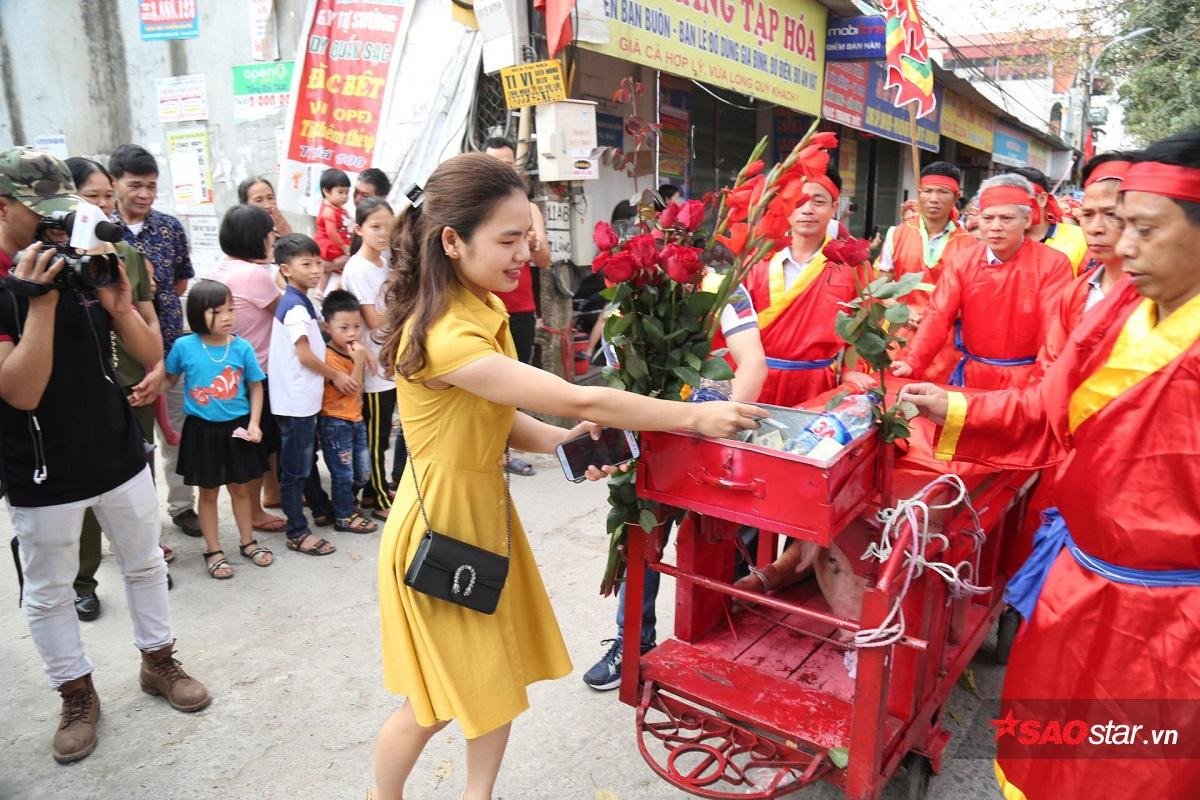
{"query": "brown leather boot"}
(76, 734)
(162, 675)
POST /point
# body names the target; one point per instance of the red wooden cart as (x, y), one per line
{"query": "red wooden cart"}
(752, 696)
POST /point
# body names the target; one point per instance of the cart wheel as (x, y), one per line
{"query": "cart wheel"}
(918, 771)
(1010, 623)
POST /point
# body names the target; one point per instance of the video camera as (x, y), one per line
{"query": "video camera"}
(81, 272)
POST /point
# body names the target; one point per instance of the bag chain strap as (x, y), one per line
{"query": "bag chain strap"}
(507, 498)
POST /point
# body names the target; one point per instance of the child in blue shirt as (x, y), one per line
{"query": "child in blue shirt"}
(223, 407)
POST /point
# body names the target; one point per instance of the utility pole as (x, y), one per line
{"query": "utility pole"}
(1090, 74)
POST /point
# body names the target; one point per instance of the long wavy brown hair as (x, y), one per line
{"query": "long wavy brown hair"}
(460, 194)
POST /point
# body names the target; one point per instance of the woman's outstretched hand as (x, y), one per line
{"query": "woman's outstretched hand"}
(722, 419)
(595, 473)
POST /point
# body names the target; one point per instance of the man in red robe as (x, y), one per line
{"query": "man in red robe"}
(997, 296)
(797, 295)
(1112, 591)
(1102, 226)
(924, 244)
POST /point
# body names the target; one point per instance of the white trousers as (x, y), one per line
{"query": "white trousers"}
(49, 537)
(180, 496)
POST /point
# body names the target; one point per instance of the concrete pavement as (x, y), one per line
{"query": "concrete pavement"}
(291, 655)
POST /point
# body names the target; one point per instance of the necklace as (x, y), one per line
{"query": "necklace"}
(224, 355)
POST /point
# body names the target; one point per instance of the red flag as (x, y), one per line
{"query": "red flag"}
(559, 31)
(909, 69)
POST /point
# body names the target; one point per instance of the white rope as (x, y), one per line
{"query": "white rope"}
(913, 514)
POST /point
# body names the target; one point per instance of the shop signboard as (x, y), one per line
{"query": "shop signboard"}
(845, 98)
(965, 122)
(533, 84)
(1039, 156)
(260, 90)
(770, 49)
(164, 20)
(884, 119)
(1011, 147)
(344, 74)
(851, 38)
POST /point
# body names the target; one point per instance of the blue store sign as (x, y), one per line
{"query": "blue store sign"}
(1011, 147)
(849, 38)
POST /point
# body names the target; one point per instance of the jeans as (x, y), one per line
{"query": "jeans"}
(348, 460)
(649, 616)
(49, 537)
(297, 437)
(180, 497)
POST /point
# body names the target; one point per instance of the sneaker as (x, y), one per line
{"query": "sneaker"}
(605, 674)
(87, 607)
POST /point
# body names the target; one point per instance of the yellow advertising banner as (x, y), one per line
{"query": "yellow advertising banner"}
(966, 122)
(533, 84)
(770, 49)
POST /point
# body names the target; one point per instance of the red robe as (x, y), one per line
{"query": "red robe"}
(1122, 402)
(1005, 311)
(798, 325)
(908, 256)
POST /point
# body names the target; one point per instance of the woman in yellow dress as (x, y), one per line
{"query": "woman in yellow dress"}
(458, 389)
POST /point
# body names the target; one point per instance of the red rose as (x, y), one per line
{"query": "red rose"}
(681, 263)
(643, 249)
(856, 251)
(835, 251)
(667, 217)
(604, 236)
(691, 214)
(619, 267)
(599, 261)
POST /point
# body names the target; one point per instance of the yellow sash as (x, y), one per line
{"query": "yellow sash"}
(781, 296)
(1141, 349)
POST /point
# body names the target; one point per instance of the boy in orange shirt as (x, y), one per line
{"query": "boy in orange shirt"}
(342, 430)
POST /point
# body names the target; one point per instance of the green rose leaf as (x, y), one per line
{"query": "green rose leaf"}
(635, 365)
(897, 314)
(647, 520)
(870, 344)
(716, 369)
(688, 375)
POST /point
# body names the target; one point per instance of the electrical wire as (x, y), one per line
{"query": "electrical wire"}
(729, 103)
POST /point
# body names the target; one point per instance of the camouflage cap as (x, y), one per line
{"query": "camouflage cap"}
(38, 180)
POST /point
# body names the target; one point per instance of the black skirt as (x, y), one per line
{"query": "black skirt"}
(210, 455)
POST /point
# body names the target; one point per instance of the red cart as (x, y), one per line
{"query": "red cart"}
(753, 696)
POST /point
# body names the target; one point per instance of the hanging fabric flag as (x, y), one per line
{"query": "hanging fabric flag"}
(909, 69)
(559, 31)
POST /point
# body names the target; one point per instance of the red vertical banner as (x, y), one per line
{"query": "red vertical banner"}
(346, 64)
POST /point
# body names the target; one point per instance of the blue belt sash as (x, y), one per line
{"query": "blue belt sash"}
(785, 364)
(1026, 585)
(957, 377)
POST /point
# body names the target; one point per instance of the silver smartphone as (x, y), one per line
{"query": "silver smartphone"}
(614, 448)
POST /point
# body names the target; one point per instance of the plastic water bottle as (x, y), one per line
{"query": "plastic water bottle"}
(843, 423)
(711, 390)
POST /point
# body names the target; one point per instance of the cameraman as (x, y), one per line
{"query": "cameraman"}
(70, 442)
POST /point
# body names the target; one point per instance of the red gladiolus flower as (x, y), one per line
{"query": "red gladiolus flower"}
(736, 240)
(753, 169)
(643, 250)
(619, 267)
(826, 139)
(667, 216)
(813, 161)
(604, 237)
(682, 263)
(691, 214)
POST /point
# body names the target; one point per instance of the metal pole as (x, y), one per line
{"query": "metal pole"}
(1089, 75)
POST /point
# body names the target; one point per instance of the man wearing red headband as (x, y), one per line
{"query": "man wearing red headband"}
(1111, 593)
(797, 294)
(996, 296)
(924, 244)
(1049, 225)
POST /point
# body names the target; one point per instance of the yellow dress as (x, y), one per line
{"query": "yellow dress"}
(452, 662)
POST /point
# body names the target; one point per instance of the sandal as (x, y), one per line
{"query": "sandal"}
(259, 555)
(318, 548)
(273, 524)
(323, 520)
(273, 505)
(215, 566)
(355, 523)
(381, 514)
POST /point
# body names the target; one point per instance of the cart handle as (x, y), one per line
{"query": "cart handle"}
(753, 486)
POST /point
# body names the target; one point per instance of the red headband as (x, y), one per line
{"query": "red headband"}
(1053, 210)
(1109, 169)
(1178, 183)
(826, 184)
(1006, 196)
(945, 181)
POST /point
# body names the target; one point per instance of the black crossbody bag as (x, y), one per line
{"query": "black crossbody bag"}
(455, 571)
